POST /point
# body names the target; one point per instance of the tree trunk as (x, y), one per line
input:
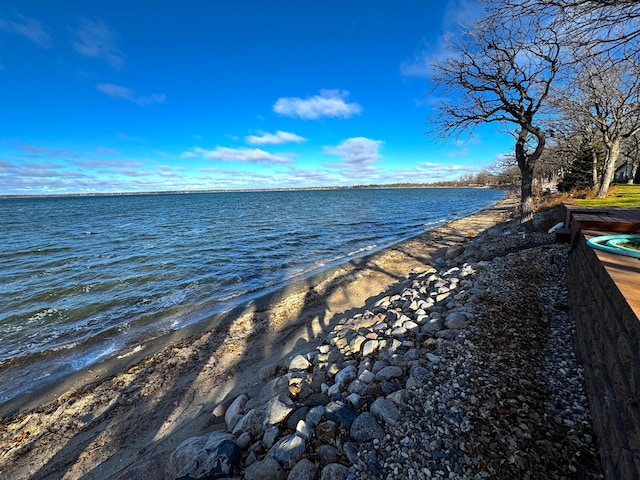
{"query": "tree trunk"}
(594, 167)
(526, 161)
(526, 197)
(609, 167)
(634, 171)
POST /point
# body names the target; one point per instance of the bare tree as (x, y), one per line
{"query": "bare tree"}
(607, 96)
(590, 27)
(499, 72)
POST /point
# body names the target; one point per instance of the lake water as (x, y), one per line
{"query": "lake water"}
(85, 278)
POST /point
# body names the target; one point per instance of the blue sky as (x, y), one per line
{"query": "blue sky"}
(117, 96)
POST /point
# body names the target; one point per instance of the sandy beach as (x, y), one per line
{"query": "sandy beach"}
(101, 421)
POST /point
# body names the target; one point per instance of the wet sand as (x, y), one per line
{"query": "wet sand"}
(98, 422)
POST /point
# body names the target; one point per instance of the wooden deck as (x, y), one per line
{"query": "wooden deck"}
(591, 222)
(611, 219)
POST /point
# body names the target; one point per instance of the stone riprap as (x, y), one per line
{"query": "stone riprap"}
(467, 372)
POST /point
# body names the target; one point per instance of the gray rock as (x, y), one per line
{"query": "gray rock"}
(432, 325)
(369, 347)
(350, 450)
(333, 390)
(295, 417)
(388, 373)
(420, 374)
(398, 397)
(243, 440)
(363, 389)
(327, 454)
(448, 334)
(274, 388)
(399, 332)
(314, 415)
(270, 435)
(456, 321)
(251, 422)
(303, 470)
(289, 449)
(365, 428)
(356, 343)
(235, 411)
(412, 354)
(366, 377)
(339, 413)
(354, 400)
(267, 469)
(334, 471)
(317, 399)
(386, 411)
(379, 365)
(304, 430)
(411, 326)
(390, 387)
(299, 362)
(346, 375)
(278, 409)
(208, 456)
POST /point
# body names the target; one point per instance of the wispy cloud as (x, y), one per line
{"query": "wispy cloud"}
(355, 153)
(247, 155)
(188, 155)
(95, 162)
(107, 151)
(125, 93)
(274, 138)
(457, 13)
(329, 103)
(35, 151)
(96, 40)
(29, 28)
(169, 171)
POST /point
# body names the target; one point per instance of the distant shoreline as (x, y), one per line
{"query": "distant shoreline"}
(249, 190)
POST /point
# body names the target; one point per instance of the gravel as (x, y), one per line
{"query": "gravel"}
(469, 372)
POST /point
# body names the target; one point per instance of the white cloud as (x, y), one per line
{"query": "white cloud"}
(187, 155)
(356, 153)
(247, 155)
(274, 138)
(96, 40)
(418, 66)
(95, 162)
(329, 103)
(28, 28)
(34, 151)
(107, 151)
(129, 94)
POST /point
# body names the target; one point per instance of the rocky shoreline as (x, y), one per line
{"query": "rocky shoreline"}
(468, 372)
(464, 369)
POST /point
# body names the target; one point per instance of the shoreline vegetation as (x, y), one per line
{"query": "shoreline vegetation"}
(130, 416)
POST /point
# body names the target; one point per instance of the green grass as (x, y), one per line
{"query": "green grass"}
(625, 196)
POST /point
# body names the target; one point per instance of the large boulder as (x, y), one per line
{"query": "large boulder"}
(204, 457)
(366, 428)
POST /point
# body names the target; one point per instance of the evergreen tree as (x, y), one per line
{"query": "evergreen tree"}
(579, 173)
